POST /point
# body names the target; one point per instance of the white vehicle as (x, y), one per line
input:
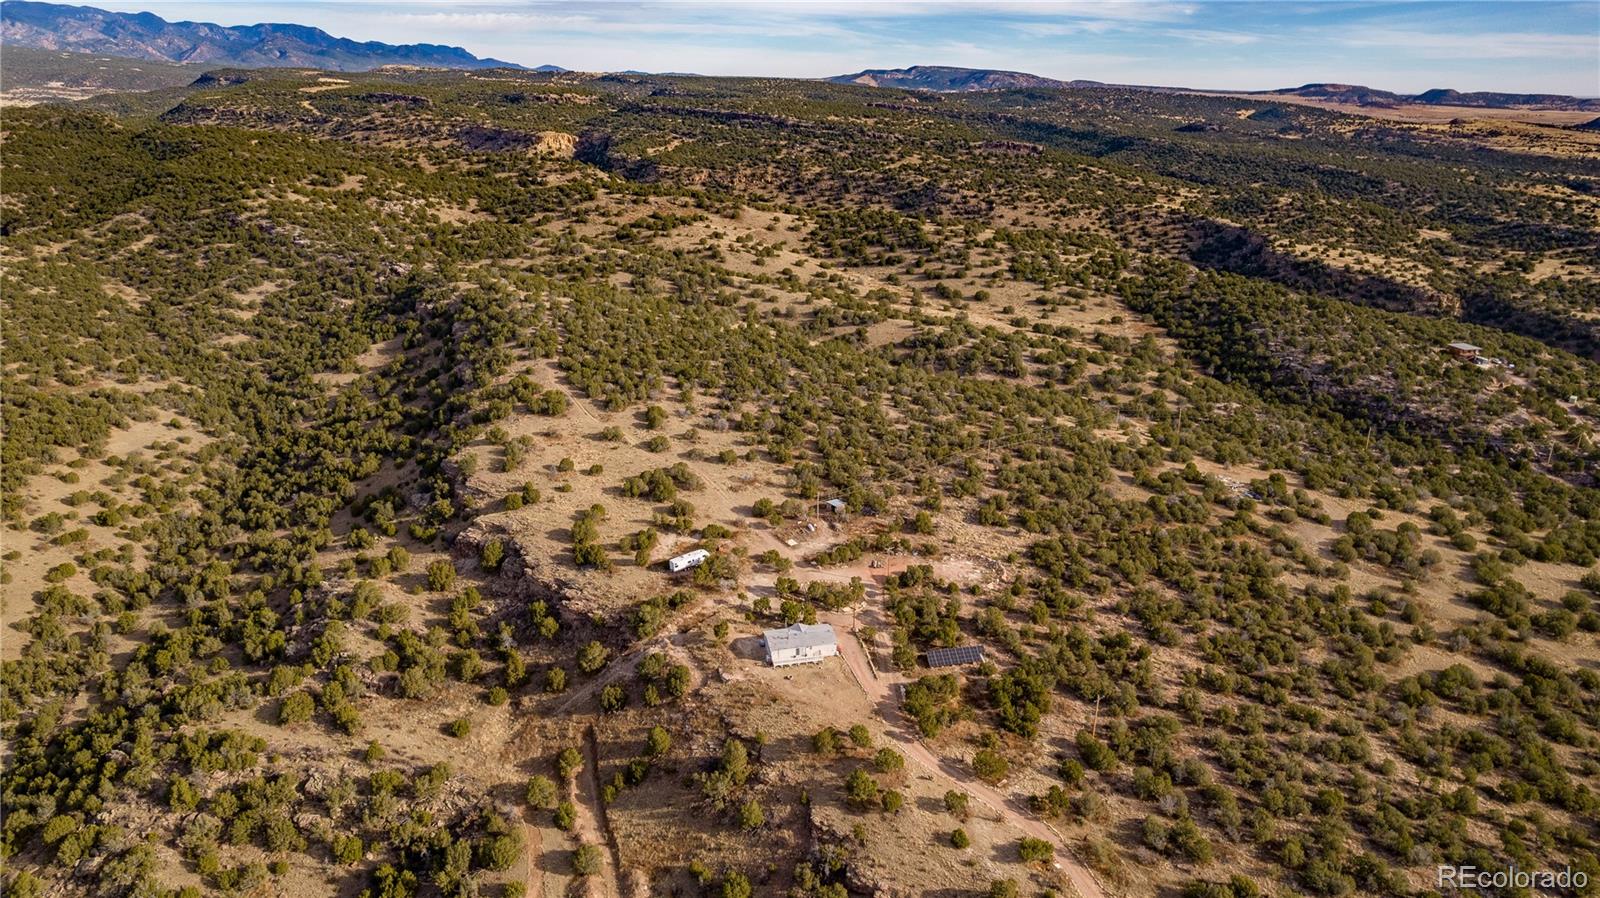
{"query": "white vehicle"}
(680, 563)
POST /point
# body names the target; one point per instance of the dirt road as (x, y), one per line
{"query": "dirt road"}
(591, 824)
(881, 690)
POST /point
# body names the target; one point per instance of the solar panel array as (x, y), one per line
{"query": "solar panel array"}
(961, 654)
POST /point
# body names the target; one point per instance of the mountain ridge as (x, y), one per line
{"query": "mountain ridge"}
(951, 79)
(954, 79)
(1361, 95)
(145, 35)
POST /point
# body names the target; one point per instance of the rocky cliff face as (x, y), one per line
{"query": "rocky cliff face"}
(527, 575)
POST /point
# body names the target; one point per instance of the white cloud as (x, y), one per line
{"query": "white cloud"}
(1504, 45)
(1212, 36)
(499, 22)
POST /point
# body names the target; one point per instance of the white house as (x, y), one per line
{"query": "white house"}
(679, 563)
(800, 644)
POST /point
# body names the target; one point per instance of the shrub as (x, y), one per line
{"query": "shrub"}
(348, 850)
(568, 763)
(959, 838)
(565, 816)
(1033, 850)
(555, 679)
(826, 742)
(990, 766)
(1003, 888)
(541, 791)
(735, 885)
(735, 761)
(441, 575)
(494, 552)
(296, 708)
(861, 789)
(1096, 755)
(592, 657)
(500, 850)
(586, 860)
(751, 815)
(956, 803)
(887, 760)
(658, 742)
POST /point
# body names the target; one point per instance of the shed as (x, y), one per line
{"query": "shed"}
(679, 563)
(800, 644)
(1464, 350)
(837, 506)
(955, 657)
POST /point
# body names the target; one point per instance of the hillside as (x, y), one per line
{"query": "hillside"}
(83, 29)
(352, 417)
(29, 76)
(1365, 96)
(945, 78)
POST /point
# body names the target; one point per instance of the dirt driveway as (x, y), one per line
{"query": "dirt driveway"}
(881, 689)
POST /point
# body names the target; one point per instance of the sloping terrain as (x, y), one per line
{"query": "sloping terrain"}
(1358, 95)
(29, 75)
(351, 417)
(945, 78)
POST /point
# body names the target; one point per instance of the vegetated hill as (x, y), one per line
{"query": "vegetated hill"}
(1341, 93)
(31, 74)
(1441, 96)
(347, 429)
(1360, 95)
(948, 78)
(84, 29)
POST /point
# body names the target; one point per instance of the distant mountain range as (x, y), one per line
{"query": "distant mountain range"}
(146, 36)
(84, 29)
(951, 79)
(1358, 95)
(945, 78)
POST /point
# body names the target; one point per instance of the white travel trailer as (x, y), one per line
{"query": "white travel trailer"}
(680, 563)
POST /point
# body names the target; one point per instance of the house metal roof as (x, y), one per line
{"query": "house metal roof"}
(1466, 347)
(800, 636)
(953, 657)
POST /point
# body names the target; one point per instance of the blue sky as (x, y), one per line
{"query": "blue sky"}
(1404, 46)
